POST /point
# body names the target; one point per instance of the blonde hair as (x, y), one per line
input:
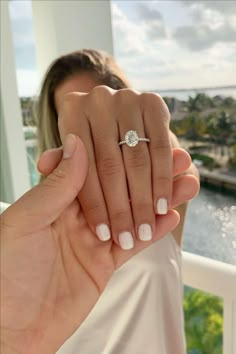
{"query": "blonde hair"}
(97, 63)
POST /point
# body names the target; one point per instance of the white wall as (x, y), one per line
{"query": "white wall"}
(64, 26)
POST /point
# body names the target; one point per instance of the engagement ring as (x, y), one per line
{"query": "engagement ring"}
(132, 139)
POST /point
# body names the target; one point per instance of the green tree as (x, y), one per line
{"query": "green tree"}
(220, 128)
(203, 322)
(229, 102)
(199, 103)
(193, 126)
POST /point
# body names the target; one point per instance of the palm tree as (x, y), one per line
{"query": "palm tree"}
(220, 127)
(199, 102)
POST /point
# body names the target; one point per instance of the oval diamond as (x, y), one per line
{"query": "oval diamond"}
(131, 138)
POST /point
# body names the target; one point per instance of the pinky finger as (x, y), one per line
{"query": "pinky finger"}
(185, 188)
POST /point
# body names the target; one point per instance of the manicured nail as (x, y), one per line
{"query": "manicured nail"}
(162, 207)
(145, 232)
(103, 232)
(69, 146)
(126, 240)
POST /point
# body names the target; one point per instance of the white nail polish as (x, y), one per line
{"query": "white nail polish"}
(145, 232)
(162, 207)
(103, 232)
(126, 240)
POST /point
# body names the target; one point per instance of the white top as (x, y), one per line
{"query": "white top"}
(141, 309)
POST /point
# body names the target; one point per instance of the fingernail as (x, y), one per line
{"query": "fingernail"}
(145, 232)
(69, 146)
(126, 240)
(103, 232)
(162, 207)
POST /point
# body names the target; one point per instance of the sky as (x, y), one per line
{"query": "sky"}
(159, 44)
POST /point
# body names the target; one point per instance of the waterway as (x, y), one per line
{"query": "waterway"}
(210, 228)
(184, 94)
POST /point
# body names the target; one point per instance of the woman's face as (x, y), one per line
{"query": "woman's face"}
(78, 82)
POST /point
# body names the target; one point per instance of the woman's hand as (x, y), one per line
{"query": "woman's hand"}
(53, 269)
(125, 185)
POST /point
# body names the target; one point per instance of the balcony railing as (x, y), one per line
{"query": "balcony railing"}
(217, 278)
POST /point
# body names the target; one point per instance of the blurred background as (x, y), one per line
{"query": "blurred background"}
(183, 50)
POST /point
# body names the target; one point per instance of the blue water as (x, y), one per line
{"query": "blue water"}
(184, 94)
(210, 228)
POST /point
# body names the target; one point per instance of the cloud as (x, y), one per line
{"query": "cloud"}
(224, 7)
(151, 58)
(135, 38)
(156, 31)
(174, 61)
(153, 21)
(128, 36)
(208, 17)
(148, 14)
(213, 22)
(203, 37)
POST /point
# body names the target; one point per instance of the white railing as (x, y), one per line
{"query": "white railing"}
(217, 278)
(3, 206)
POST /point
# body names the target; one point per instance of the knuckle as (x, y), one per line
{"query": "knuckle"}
(163, 180)
(119, 215)
(71, 104)
(143, 208)
(58, 174)
(100, 91)
(127, 94)
(99, 99)
(138, 158)
(151, 99)
(58, 177)
(70, 101)
(153, 102)
(108, 167)
(147, 96)
(162, 146)
(93, 207)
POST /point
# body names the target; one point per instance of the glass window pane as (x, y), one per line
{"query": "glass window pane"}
(27, 76)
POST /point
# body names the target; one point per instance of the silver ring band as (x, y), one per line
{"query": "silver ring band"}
(132, 139)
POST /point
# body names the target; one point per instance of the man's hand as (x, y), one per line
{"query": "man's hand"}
(53, 268)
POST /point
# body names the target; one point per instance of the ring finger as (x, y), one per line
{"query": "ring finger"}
(137, 165)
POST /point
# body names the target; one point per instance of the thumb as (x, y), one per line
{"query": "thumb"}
(43, 204)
